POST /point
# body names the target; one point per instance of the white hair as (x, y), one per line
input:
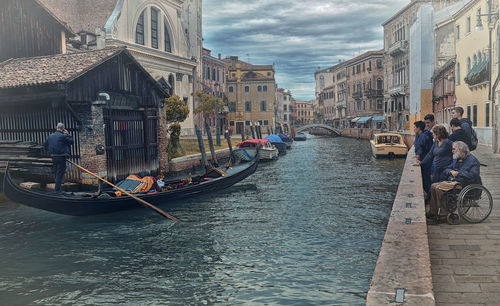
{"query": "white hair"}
(462, 147)
(60, 126)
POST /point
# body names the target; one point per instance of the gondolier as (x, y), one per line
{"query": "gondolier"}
(58, 144)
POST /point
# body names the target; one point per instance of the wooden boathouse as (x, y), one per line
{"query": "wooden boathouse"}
(111, 106)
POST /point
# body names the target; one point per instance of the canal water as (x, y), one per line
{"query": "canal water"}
(303, 230)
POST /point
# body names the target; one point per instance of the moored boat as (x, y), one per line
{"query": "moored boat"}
(388, 145)
(287, 140)
(81, 204)
(276, 141)
(300, 137)
(246, 150)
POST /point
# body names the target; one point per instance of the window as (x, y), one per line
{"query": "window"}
(284, 107)
(284, 98)
(166, 37)
(380, 84)
(264, 88)
(213, 74)
(457, 32)
(467, 25)
(468, 111)
(248, 106)
(321, 81)
(154, 28)
(218, 73)
(139, 30)
(247, 122)
(474, 115)
(247, 88)
(380, 104)
(363, 67)
(233, 75)
(259, 88)
(269, 74)
(231, 89)
(266, 122)
(231, 123)
(379, 63)
(284, 117)
(260, 122)
(458, 73)
(262, 106)
(232, 106)
(487, 114)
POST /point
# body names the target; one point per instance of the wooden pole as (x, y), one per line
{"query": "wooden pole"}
(215, 163)
(228, 138)
(252, 130)
(161, 212)
(268, 131)
(202, 146)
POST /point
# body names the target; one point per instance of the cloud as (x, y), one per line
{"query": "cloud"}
(297, 36)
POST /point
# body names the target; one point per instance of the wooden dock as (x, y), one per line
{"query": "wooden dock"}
(465, 258)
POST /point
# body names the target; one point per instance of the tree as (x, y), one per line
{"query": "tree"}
(176, 111)
(207, 103)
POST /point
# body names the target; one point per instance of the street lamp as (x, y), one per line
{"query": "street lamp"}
(217, 133)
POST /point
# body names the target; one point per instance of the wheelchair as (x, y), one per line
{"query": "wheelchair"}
(472, 202)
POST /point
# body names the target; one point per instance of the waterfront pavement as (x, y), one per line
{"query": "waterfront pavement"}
(465, 258)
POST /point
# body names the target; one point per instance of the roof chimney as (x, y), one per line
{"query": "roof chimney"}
(219, 56)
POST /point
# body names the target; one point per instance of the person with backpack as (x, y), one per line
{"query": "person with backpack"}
(458, 133)
(466, 125)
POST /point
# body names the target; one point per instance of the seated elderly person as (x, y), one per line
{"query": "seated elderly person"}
(463, 169)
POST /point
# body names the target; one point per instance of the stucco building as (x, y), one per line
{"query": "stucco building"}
(164, 36)
(251, 92)
(283, 111)
(305, 111)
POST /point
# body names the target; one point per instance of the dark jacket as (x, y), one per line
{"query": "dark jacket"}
(468, 170)
(460, 135)
(423, 144)
(58, 144)
(441, 156)
(466, 125)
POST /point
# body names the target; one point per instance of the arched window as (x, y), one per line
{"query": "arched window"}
(468, 64)
(259, 88)
(265, 88)
(248, 106)
(166, 37)
(213, 74)
(380, 84)
(247, 88)
(262, 106)
(458, 73)
(230, 88)
(171, 82)
(154, 28)
(139, 30)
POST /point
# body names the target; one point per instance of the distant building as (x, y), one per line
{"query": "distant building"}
(305, 111)
(365, 80)
(283, 109)
(331, 94)
(213, 82)
(251, 92)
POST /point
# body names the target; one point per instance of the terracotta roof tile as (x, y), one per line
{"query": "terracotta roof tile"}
(81, 15)
(247, 66)
(51, 69)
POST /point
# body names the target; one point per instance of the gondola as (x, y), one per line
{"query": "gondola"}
(76, 205)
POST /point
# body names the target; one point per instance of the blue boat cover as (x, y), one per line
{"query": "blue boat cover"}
(364, 119)
(378, 118)
(285, 138)
(274, 138)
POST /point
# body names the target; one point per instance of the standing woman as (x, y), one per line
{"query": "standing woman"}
(440, 153)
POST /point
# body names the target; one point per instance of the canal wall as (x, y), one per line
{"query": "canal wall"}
(403, 270)
(191, 164)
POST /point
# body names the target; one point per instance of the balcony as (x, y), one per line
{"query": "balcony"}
(357, 95)
(398, 90)
(340, 104)
(374, 93)
(398, 48)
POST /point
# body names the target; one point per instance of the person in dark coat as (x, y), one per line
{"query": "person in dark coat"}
(458, 134)
(463, 169)
(58, 144)
(423, 143)
(440, 154)
(465, 123)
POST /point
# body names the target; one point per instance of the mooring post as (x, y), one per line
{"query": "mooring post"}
(215, 163)
(202, 146)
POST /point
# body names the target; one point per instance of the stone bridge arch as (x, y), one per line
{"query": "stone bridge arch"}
(318, 126)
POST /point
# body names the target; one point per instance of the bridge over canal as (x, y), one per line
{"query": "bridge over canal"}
(303, 128)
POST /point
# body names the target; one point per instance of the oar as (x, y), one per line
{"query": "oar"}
(161, 212)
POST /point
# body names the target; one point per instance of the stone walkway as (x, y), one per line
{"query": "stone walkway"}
(465, 258)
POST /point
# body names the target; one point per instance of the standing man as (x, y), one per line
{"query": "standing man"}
(465, 123)
(58, 144)
(423, 143)
(429, 123)
(458, 133)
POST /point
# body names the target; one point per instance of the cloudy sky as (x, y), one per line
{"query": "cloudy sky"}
(296, 35)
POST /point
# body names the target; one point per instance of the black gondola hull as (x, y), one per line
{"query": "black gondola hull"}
(83, 206)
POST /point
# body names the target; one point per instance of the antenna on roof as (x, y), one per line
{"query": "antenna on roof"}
(248, 57)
